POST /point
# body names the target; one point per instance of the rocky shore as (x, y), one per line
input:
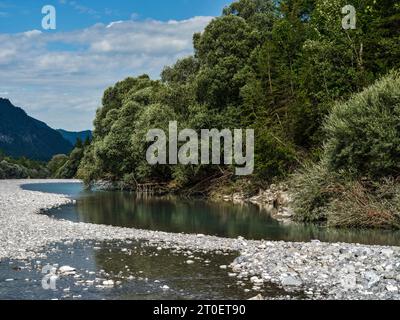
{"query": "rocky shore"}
(276, 200)
(324, 271)
(319, 270)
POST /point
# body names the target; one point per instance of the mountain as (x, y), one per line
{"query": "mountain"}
(72, 136)
(24, 136)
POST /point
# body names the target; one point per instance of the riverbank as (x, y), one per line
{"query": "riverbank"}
(25, 231)
(276, 200)
(321, 270)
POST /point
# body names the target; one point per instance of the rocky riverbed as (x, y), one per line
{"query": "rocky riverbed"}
(320, 270)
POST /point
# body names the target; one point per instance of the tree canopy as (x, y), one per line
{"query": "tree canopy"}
(277, 67)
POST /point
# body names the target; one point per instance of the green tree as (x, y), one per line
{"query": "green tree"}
(56, 163)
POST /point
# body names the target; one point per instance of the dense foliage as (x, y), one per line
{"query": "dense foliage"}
(356, 181)
(63, 166)
(275, 66)
(363, 134)
(21, 168)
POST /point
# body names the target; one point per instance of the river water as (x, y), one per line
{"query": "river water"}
(174, 214)
(139, 271)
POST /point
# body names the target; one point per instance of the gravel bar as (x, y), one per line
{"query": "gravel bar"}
(320, 270)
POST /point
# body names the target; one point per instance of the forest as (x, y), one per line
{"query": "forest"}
(22, 168)
(324, 103)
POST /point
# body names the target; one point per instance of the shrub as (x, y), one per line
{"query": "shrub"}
(359, 205)
(363, 134)
(363, 146)
(56, 163)
(12, 171)
(324, 196)
(313, 189)
(70, 167)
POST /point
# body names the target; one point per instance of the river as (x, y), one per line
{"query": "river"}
(198, 216)
(140, 271)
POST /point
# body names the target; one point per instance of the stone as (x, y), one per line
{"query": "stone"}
(349, 281)
(67, 270)
(392, 288)
(290, 281)
(108, 283)
(387, 252)
(256, 280)
(26, 233)
(372, 278)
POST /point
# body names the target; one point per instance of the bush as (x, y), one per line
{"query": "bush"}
(354, 184)
(313, 189)
(365, 206)
(56, 163)
(363, 134)
(22, 168)
(339, 201)
(12, 171)
(70, 167)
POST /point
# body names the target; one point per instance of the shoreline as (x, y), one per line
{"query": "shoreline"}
(321, 270)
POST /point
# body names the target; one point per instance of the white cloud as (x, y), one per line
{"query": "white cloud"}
(114, 23)
(60, 77)
(32, 33)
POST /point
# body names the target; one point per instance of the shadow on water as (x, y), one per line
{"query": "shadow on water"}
(174, 214)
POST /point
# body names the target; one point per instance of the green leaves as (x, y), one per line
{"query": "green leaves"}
(364, 133)
(278, 67)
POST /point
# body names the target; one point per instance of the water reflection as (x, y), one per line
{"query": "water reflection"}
(174, 214)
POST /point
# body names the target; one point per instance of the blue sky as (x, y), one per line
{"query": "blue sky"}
(59, 76)
(23, 15)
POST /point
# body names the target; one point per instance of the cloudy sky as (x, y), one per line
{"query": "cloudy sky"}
(59, 76)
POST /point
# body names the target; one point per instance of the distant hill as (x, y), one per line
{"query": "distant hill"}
(73, 136)
(24, 136)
